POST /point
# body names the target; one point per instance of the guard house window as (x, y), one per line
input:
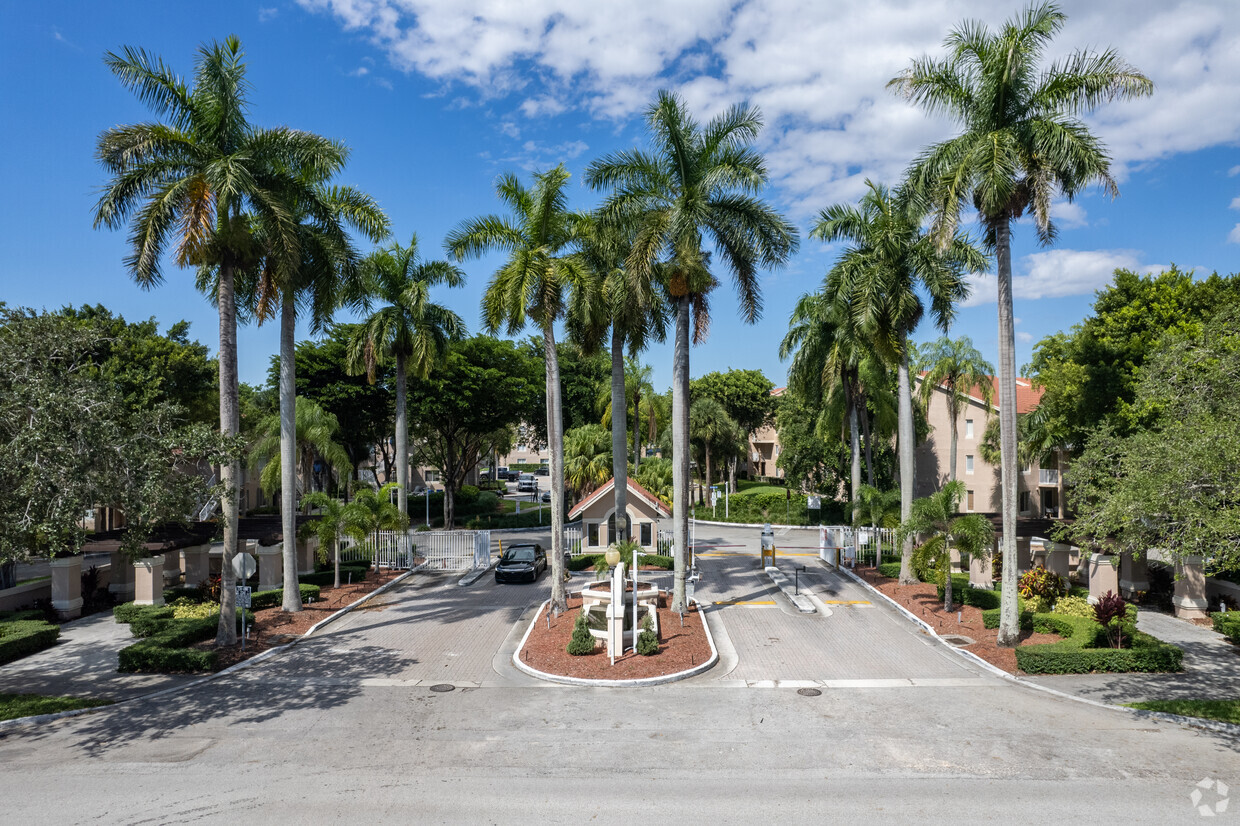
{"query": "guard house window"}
(969, 500)
(592, 534)
(647, 534)
(968, 464)
(611, 526)
(968, 428)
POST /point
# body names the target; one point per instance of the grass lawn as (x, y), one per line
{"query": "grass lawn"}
(27, 705)
(1228, 711)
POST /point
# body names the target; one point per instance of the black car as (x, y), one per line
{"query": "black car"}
(521, 563)
(546, 496)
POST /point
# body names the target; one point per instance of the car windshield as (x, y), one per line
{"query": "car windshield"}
(519, 555)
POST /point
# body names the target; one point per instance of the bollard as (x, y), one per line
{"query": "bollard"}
(796, 573)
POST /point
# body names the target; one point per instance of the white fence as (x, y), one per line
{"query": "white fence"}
(440, 550)
(573, 544)
(864, 544)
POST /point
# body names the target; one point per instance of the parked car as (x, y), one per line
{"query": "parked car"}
(546, 496)
(544, 470)
(509, 475)
(528, 483)
(521, 563)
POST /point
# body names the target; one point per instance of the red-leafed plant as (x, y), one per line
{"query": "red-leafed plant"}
(1111, 612)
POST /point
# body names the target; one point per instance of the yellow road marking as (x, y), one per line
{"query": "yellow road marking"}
(744, 602)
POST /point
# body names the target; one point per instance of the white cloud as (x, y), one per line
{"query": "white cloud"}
(267, 14)
(817, 70)
(1235, 203)
(1023, 337)
(360, 71)
(1056, 274)
(1233, 237)
(1233, 172)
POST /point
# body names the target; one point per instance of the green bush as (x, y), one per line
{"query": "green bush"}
(583, 562)
(194, 593)
(275, 597)
(127, 612)
(667, 563)
(168, 650)
(1068, 657)
(890, 569)
(148, 623)
(1074, 606)
(581, 643)
(965, 594)
(21, 616)
(1039, 582)
(22, 637)
(647, 640)
(188, 609)
(1228, 624)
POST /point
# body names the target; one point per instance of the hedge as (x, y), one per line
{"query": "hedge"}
(129, 611)
(168, 651)
(965, 594)
(324, 579)
(890, 569)
(1069, 657)
(17, 639)
(21, 616)
(275, 597)
(1227, 624)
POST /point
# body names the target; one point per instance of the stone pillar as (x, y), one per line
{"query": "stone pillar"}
(1024, 557)
(1190, 589)
(980, 572)
(148, 575)
(172, 568)
(270, 567)
(197, 564)
(67, 587)
(1133, 575)
(307, 554)
(1103, 576)
(615, 613)
(120, 582)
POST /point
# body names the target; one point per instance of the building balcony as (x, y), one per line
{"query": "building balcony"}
(1048, 477)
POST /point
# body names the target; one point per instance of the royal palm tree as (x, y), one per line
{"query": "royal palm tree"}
(1021, 143)
(335, 521)
(408, 330)
(587, 458)
(197, 176)
(697, 184)
(543, 273)
(959, 370)
(315, 432)
(877, 280)
(934, 519)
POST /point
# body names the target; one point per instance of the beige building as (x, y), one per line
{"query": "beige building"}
(598, 517)
(1039, 490)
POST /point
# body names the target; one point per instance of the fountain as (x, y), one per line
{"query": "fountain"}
(608, 619)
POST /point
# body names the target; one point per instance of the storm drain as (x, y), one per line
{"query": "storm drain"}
(808, 692)
(958, 640)
(442, 688)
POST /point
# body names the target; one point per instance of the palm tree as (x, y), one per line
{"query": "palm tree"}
(375, 512)
(1021, 143)
(324, 278)
(587, 458)
(876, 280)
(881, 508)
(409, 329)
(959, 370)
(335, 520)
(934, 518)
(696, 183)
(540, 240)
(198, 176)
(638, 382)
(710, 426)
(315, 432)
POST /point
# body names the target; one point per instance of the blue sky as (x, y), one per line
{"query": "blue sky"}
(437, 97)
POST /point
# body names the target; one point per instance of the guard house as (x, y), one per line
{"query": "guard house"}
(598, 517)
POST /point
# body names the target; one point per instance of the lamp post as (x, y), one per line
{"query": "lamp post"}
(428, 507)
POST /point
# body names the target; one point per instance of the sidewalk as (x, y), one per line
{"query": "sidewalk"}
(83, 664)
(1211, 669)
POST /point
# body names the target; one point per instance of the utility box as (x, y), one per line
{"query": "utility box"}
(768, 546)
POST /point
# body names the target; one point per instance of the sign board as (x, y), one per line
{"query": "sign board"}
(243, 596)
(815, 503)
(244, 565)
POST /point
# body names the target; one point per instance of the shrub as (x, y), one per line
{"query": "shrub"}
(275, 597)
(583, 561)
(581, 643)
(1227, 624)
(168, 650)
(193, 593)
(188, 609)
(890, 569)
(324, 579)
(467, 495)
(1069, 657)
(1111, 612)
(1042, 584)
(657, 561)
(22, 637)
(647, 640)
(487, 502)
(1074, 606)
(965, 594)
(996, 566)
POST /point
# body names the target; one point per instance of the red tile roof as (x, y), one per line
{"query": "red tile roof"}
(632, 486)
(1027, 396)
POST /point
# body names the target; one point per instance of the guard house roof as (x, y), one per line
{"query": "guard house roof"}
(633, 488)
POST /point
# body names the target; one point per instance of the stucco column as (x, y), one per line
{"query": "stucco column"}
(67, 587)
(307, 553)
(120, 578)
(172, 567)
(148, 575)
(270, 567)
(197, 564)
(980, 572)
(1190, 589)
(1103, 576)
(1133, 574)
(1024, 555)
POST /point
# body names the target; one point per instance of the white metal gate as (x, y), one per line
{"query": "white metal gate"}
(862, 544)
(438, 550)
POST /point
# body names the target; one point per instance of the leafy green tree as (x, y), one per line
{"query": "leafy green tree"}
(934, 519)
(199, 175)
(543, 267)
(746, 398)
(315, 430)
(712, 429)
(335, 521)
(1021, 143)
(811, 460)
(484, 388)
(957, 369)
(879, 509)
(655, 475)
(409, 330)
(697, 183)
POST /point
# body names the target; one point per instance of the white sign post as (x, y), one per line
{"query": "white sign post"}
(244, 567)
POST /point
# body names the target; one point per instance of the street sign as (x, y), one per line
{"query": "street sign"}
(815, 503)
(243, 596)
(244, 565)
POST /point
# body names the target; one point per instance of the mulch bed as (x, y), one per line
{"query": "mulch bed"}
(274, 627)
(680, 649)
(922, 601)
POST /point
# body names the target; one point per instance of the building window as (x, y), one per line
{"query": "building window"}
(1023, 499)
(430, 475)
(968, 428)
(647, 534)
(969, 501)
(968, 463)
(592, 534)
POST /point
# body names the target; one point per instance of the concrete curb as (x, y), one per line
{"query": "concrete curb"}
(801, 602)
(473, 576)
(639, 683)
(39, 719)
(1191, 722)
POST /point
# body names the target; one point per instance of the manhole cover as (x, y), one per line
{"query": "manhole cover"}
(957, 640)
(808, 692)
(442, 688)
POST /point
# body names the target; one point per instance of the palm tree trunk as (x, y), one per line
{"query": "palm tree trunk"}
(955, 440)
(1009, 627)
(854, 442)
(288, 452)
(906, 447)
(336, 556)
(230, 472)
(869, 443)
(402, 436)
(637, 427)
(619, 439)
(680, 454)
(947, 580)
(709, 476)
(555, 435)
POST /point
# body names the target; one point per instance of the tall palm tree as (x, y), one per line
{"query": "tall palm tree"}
(324, 277)
(587, 458)
(638, 383)
(197, 176)
(1021, 143)
(543, 273)
(877, 280)
(959, 370)
(697, 183)
(335, 521)
(315, 432)
(934, 518)
(408, 329)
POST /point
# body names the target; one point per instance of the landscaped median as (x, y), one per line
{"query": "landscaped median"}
(166, 642)
(25, 632)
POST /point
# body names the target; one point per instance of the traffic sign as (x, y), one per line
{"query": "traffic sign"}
(815, 503)
(243, 596)
(244, 565)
